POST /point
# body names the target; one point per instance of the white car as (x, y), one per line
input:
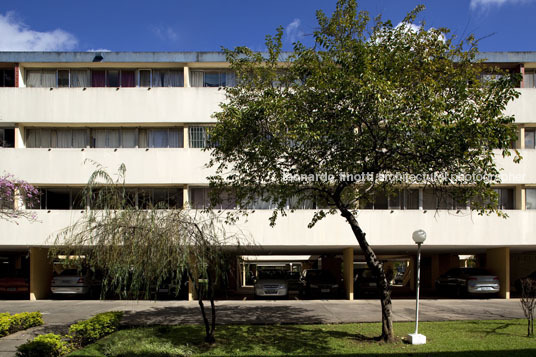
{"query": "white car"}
(70, 282)
(271, 283)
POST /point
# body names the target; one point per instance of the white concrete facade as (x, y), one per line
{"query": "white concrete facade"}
(139, 107)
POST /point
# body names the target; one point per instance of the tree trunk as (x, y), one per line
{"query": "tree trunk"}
(209, 328)
(377, 267)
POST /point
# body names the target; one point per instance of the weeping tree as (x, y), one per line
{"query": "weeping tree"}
(369, 109)
(138, 250)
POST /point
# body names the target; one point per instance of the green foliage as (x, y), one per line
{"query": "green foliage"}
(17, 322)
(100, 325)
(367, 98)
(49, 345)
(473, 338)
(5, 323)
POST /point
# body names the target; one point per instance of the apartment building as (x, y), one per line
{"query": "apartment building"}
(60, 111)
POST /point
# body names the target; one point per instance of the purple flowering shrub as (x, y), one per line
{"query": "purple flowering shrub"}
(12, 189)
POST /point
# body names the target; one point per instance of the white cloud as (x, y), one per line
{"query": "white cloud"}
(416, 28)
(17, 36)
(485, 4)
(98, 50)
(165, 33)
(293, 32)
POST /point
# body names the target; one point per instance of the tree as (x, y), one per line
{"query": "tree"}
(369, 109)
(139, 249)
(528, 302)
(12, 192)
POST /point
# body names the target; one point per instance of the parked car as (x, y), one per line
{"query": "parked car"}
(294, 282)
(462, 281)
(14, 285)
(271, 283)
(71, 282)
(319, 283)
(365, 282)
(517, 283)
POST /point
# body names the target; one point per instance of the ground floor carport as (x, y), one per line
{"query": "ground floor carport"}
(508, 263)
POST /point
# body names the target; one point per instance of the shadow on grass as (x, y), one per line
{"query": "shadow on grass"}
(489, 328)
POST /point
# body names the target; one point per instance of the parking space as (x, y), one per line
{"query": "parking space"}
(343, 274)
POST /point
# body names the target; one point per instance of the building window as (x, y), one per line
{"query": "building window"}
(212, 79)
(7, 138)
(111, 138)
(200, 199)
(506, 198)
(62, 78)
(7, 77)
(167, 78)
(159, 198)
(530, 198)
(528, 78)
(530, 138)
(405, 199)
(198, 136)
(61, 199)
(56, 138)
(162, 138)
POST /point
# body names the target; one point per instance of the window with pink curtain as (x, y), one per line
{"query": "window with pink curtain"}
(127, 79)
(98, 78)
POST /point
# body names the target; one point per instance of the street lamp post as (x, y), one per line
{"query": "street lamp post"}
(419, 236)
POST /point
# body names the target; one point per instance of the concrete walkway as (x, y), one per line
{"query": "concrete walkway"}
(59, 314)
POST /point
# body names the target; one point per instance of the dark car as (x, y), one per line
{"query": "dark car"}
(365, 282)
(517, 283)
(320, 283)
(463, 281)
(14, 285)
(294, 282)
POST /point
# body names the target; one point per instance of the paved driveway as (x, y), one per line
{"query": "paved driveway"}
(59, 314)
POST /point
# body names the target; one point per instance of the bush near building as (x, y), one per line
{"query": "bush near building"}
(17, 322)
(80, 334)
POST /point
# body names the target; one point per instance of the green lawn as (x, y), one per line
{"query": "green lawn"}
(489, 338)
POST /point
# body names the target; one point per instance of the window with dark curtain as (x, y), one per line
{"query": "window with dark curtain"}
(128, 79)
(7, 77)
(98, 78)
(63, 78)
(145, 77)
(112, 78)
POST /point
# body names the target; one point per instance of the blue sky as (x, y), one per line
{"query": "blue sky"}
(166, 25)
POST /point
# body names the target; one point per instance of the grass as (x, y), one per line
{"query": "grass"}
(471, 338)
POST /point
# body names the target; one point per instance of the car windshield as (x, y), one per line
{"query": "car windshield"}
(323, 275)
(272, 274)
(69, 272)
(469, 271)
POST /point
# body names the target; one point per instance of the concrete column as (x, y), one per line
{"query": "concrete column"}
(186, 76)
(40, 273)
(412, 273)
(17, 75)
(522, 72)
(498, 262)
(19, 135)
(348, 271)
(521, 138)
(191, 290)
(185, 196)
(520, 197)
(185, 137)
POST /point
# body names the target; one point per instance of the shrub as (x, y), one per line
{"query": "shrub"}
(5, 322)
(85, 332)
(49, 345)
(25, 320)
(13, 323)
